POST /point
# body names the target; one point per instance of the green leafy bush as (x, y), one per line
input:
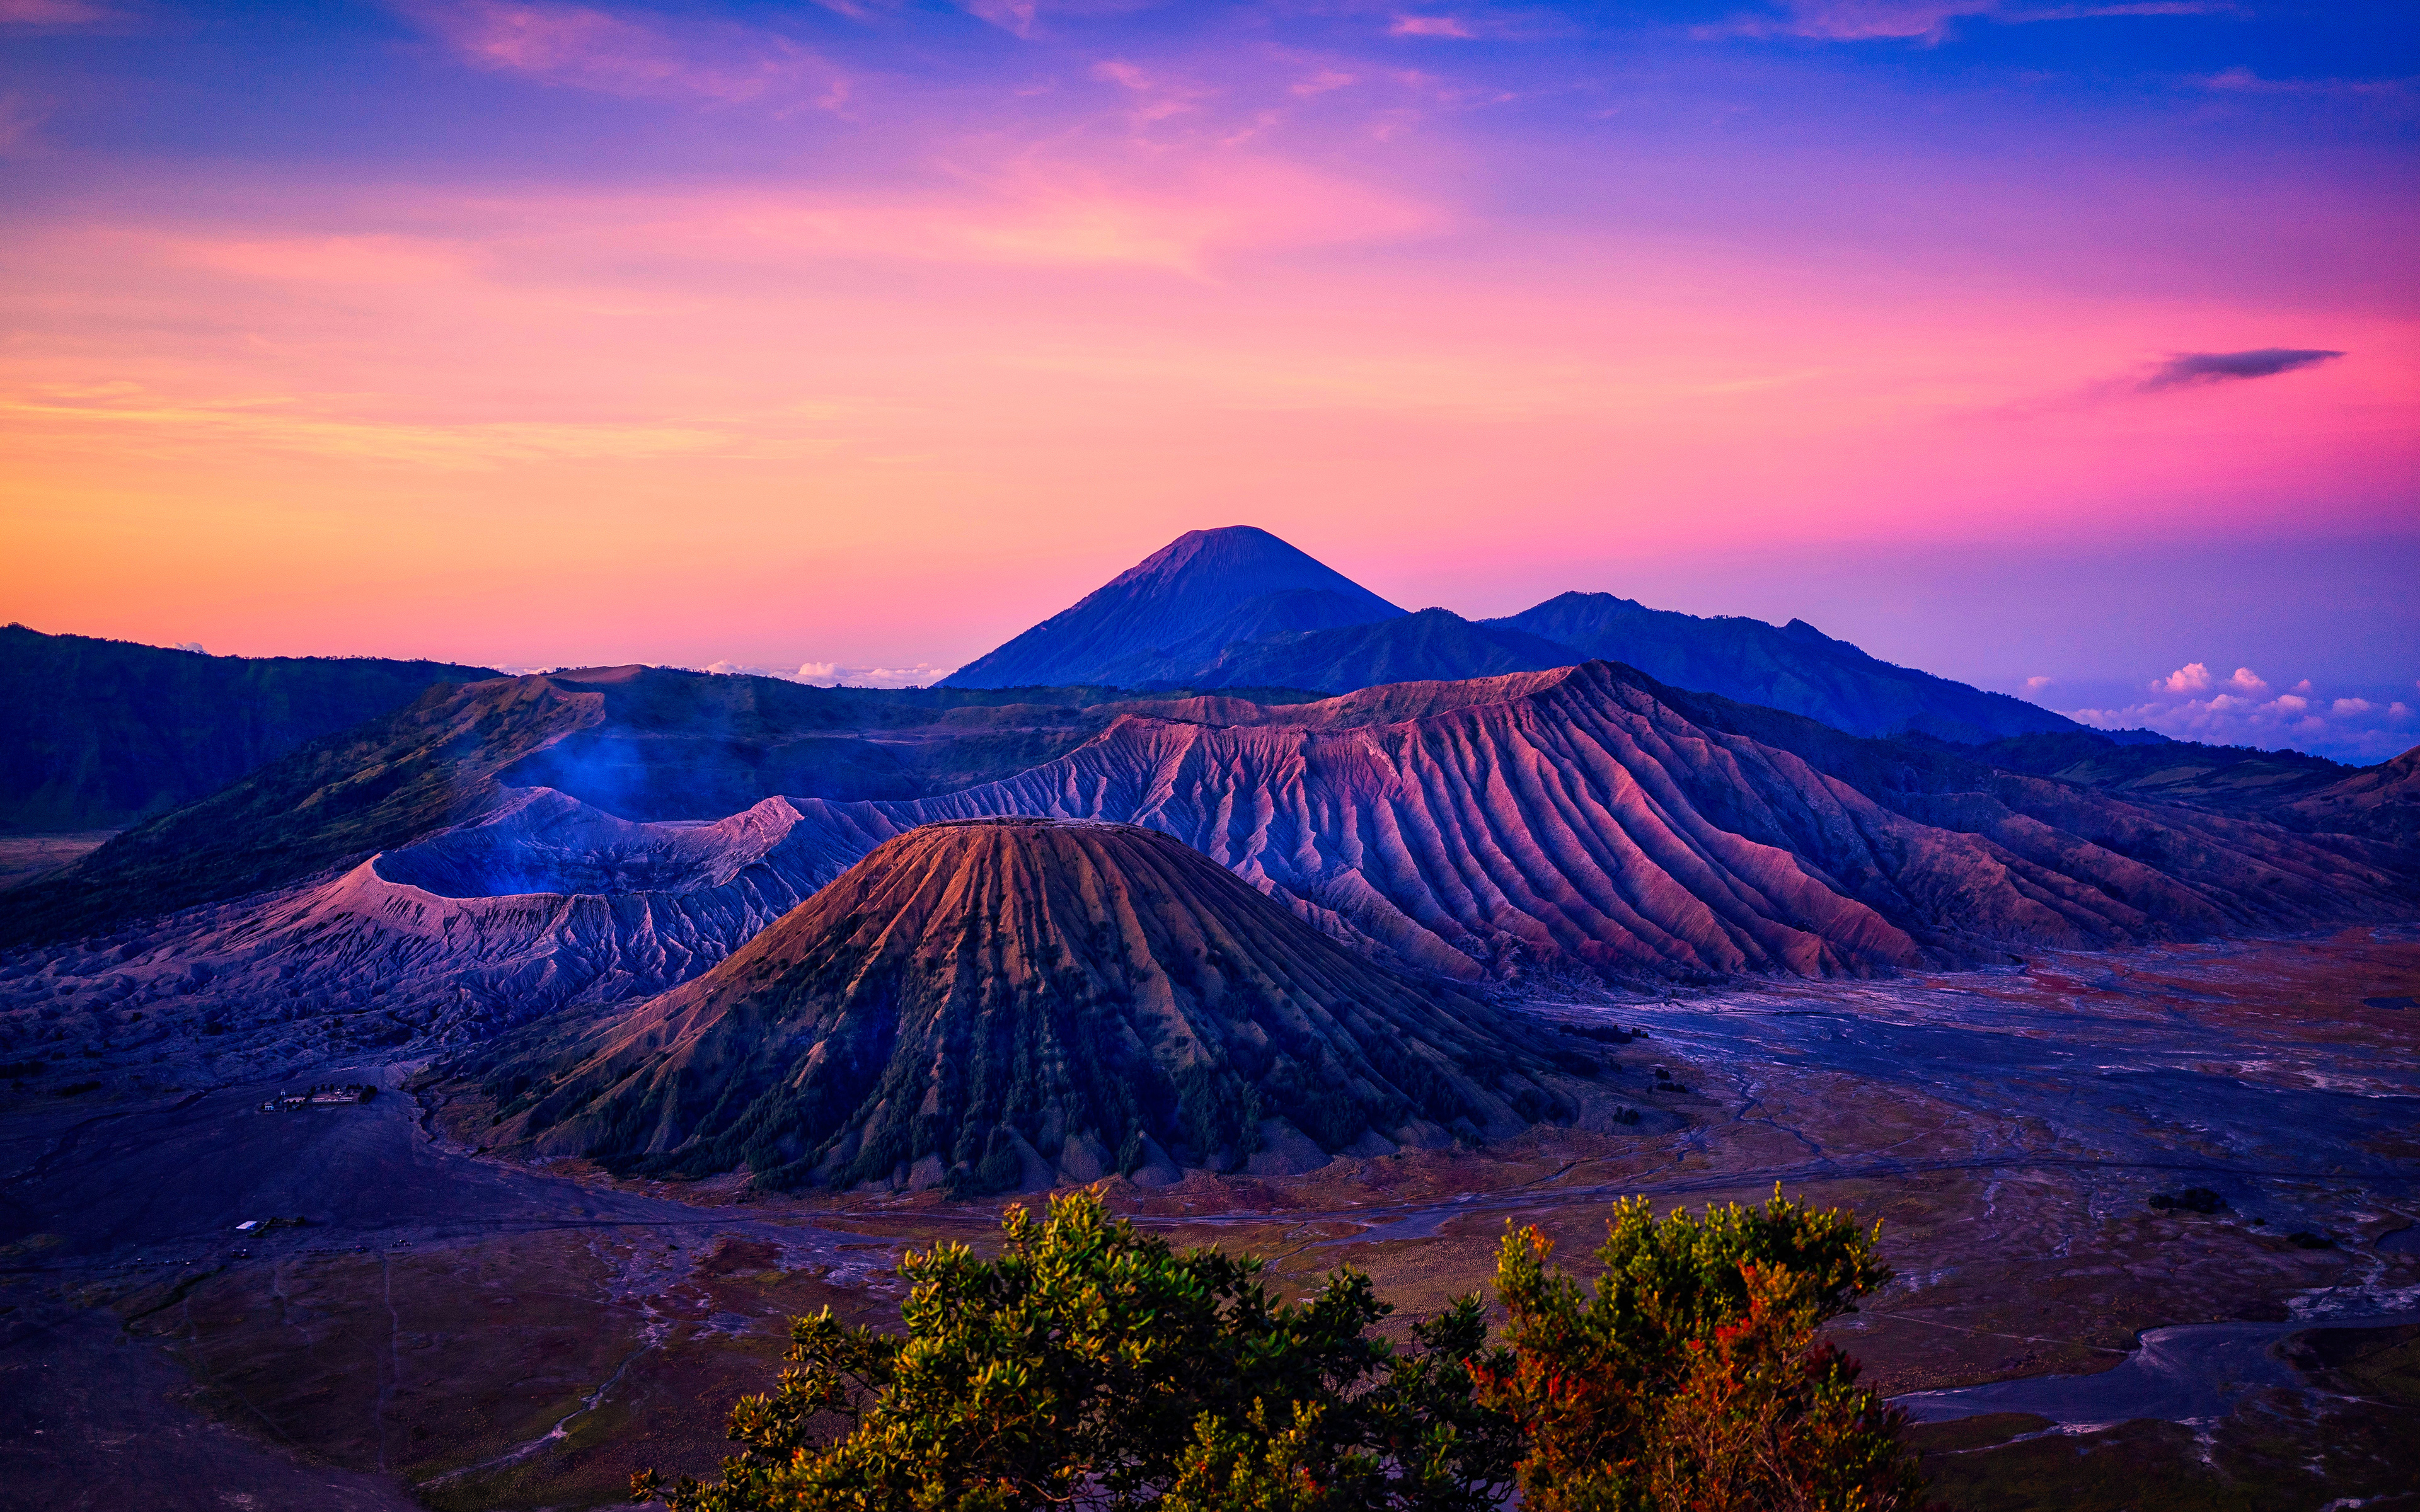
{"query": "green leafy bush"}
(1091, 1366)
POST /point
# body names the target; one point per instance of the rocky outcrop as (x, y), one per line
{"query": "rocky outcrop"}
(996, 1005)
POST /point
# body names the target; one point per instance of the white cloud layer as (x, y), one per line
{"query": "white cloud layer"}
(836, 674)
(2192, 703)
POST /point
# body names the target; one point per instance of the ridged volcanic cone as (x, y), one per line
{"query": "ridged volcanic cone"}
(997, 1004)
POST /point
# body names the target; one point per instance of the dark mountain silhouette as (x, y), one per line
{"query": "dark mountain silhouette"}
(1796, 668)
(1434, 645)
(997, 1005)
(101, 735)
(1238, 607)
(1176, 608)
(2227, 778)
(381, 784)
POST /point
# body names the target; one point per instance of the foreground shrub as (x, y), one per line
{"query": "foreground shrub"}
(1091, 1366)
(1690, 1376)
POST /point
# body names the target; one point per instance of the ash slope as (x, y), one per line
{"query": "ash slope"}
(1584, 820)
(994, 1005)
(1589, 818)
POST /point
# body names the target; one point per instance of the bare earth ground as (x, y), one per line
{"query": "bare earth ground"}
(464, 1333)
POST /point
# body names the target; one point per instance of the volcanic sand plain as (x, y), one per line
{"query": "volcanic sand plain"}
(446, 1329)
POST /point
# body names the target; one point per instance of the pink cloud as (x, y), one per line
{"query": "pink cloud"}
(589, 49)
(2246, 82)
(1859, 21)
(2192, 677)
(1181, 219)
(1431, 26)
(1324, 81)
(53, 13)
(344, 259)
(2236, 712)
(20, 118)
(1014, 16)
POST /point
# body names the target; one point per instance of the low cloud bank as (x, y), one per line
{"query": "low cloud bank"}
(836, 674)
(2194, 703)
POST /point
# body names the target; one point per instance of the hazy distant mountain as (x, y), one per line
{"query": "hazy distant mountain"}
(99, 734)
(1238, 608)
(996, 1005)
(1179, 606)
(2136, 764)
(1795, 666)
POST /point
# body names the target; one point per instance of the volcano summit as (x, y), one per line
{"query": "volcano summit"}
(995, 1004)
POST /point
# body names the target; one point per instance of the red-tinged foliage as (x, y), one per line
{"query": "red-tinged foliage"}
(1691, 1380)
(1093, 1366)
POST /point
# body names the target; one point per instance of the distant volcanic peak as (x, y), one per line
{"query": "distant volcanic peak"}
(1203, 586)
(1249, 560)
(1000, 1003)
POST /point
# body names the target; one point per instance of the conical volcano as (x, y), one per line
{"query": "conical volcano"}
(999, 1004)
(1173, 610)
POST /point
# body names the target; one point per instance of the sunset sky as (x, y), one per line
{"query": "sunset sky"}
(2065, 348)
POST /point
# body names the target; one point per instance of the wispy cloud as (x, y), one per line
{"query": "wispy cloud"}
(2186, 369)
(1013, 16)
(583, 48)
(20, 118)
(1858, 21)
(55, 13)
(2246, 82)
(1452, 26)
(144, 418)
